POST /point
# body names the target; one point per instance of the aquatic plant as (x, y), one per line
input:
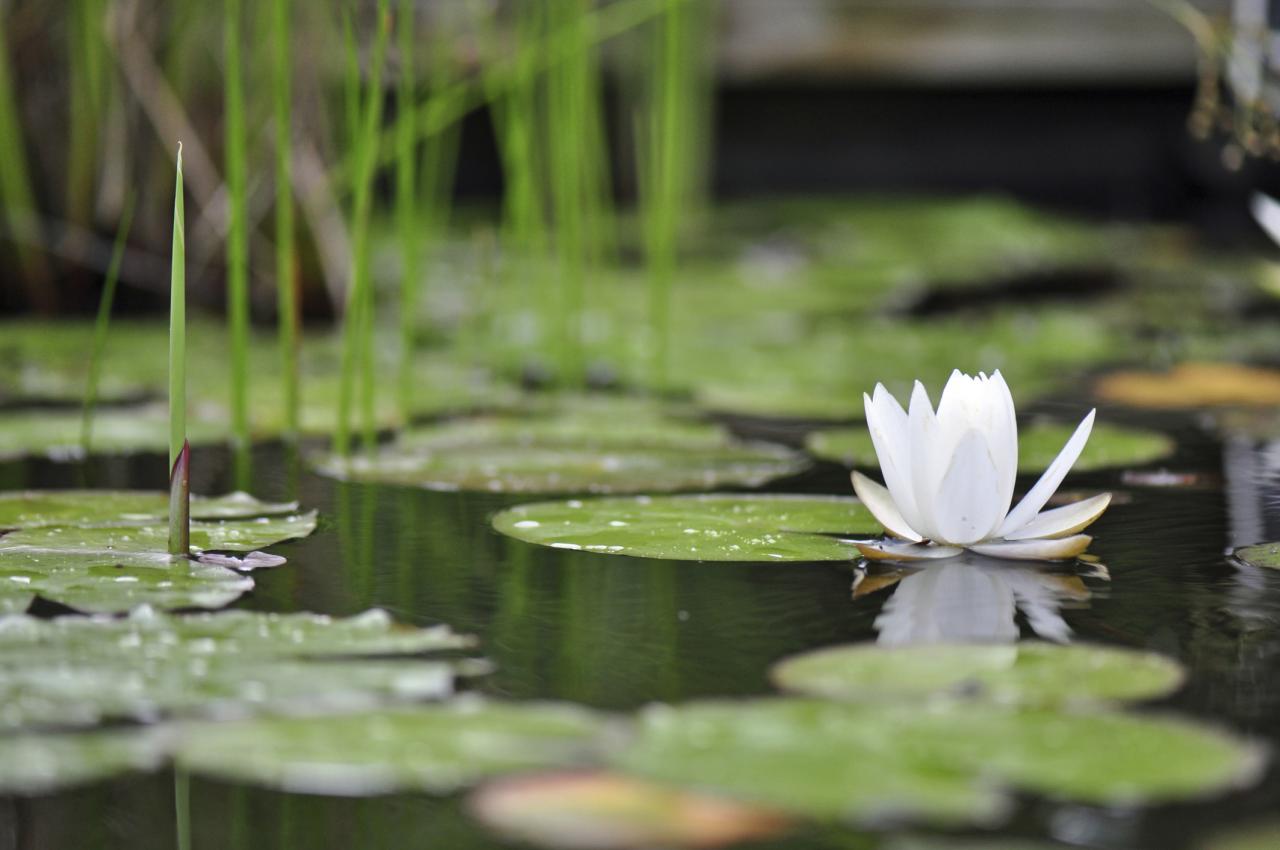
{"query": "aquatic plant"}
(179, 448)
(102, 324)
(237, 224)
(950, 476)
(286, 242)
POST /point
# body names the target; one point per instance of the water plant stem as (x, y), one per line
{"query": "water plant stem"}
(357, 335)
(286, 263)
(102, 324)
(238, 223)
(179, 448)
(182, 807)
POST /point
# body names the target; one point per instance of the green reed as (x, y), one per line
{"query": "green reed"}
(89, 75)
(238, 221)
(102, 324)
(179, 448)
(288, 318)
(406, 201)
(357, 331)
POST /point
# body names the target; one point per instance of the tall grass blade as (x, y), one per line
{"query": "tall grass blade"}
(406, 202)
(238, 229)
(286, 244)
(102, 324)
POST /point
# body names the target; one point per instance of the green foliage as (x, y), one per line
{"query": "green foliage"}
(102, 324)
(238, 220)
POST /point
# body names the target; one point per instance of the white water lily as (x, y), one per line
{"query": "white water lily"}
(950, 478)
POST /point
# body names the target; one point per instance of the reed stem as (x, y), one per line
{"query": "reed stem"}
(288, 313)
(238, 223)
(102, 324)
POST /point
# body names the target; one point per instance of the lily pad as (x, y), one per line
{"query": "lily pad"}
(1259, 555)
(1262, 836)
(1028, 673)
(111, 554)
(42, 508)
(55, 433)
(435, 748)
(84, 670)
(949, 762)
(41, 764)
(1038, 444)
(715, 527)
(1193, 385)
(603, 811)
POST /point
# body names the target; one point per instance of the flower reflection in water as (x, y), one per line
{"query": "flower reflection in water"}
(976, 599)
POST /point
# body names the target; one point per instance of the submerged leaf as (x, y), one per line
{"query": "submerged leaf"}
(84, 670)
(603, 811)
(436, 748)
(716, 527)
(1028, 673)
(952, 762)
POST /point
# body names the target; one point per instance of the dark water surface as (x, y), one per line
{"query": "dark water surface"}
(617, 632)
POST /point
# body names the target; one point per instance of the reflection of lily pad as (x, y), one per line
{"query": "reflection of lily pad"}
(1193, 385)
(40, 764)
(631, 451)
(40, 508)
(948, 762)
(437, 748)
(1026, 673)
(150, 664)
(603, 811)
(696, 528)
(1038, 444)
(1260, 555)
(112, 555)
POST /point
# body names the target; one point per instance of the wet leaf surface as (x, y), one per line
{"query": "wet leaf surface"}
(434, 748)
(951, 762)
(43, 764)
(72, 671)
(113, 554)
(1026, 673)
(717, 527)
(602, 811)
(1260, 555)
(1109, 446)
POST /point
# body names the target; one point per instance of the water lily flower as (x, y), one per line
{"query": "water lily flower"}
(950, 478)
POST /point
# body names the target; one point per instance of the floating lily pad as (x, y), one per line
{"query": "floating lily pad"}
(42, 764)
(1193, 385)
(1259, 555)
(435, 748)
(717, 527)
(149, 665)
(1024, 673)
(603, 811)
(1038, 444)
(1264, 836)
(103, 562)
(949, 762)
(41, 508)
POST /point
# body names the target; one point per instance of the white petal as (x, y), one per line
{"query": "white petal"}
(1064, 521)
(966, 508)
(1003, 439)
(881, 504)
(1267, 213)
(925, 459)
(1035, 550)
(1049, 481)
(893, 550)
(887, 423)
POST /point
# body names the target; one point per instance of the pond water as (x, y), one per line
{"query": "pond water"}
(616, 633)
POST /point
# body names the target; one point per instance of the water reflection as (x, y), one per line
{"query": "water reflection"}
(973, 599)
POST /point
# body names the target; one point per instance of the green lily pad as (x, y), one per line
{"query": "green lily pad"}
(87, 508)
(112, 555)
(43, 764)
(1259, 555)
(55, 433)
(1024, 673)
(435, 748)
(604, 811)
(1262, 836)
(716, 527)
(84, 670)
(1038, 444)
(947, 762)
